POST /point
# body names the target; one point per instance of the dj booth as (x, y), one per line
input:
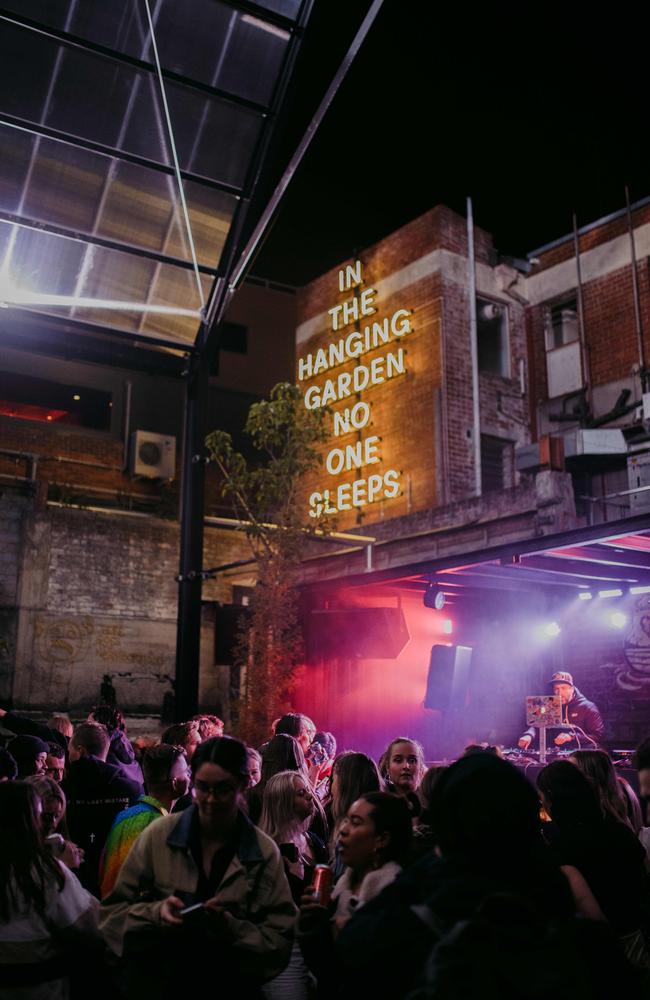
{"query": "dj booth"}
(529, 762)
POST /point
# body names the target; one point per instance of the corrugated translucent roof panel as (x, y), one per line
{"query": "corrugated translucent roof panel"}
(92, 224)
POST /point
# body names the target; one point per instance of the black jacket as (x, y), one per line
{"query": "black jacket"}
(95, 792)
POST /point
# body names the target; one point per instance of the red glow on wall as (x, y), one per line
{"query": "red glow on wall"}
(368, 702)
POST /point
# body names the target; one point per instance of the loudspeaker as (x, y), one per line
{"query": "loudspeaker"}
(357, 633)
(448, 677)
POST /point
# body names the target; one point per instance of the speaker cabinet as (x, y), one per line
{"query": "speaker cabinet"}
(357, 633)
(448, 678)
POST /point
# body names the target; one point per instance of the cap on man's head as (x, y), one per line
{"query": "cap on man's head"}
(562, 677)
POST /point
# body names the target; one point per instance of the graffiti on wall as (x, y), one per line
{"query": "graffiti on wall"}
(63, 642)
(634, 674)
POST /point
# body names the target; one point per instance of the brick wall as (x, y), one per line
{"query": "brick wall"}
(85, 594)
(424, 418)
(595, 237)
(73, 461)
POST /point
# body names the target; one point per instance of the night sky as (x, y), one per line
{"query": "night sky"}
(535, 119)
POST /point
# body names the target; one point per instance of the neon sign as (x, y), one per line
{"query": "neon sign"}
(375, 333)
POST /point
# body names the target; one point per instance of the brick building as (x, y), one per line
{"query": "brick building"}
(483, 460)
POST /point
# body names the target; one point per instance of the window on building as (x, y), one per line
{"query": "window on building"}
(29, 398)
(561, 323)
(233, 337)
(492, 336)
(497, 463)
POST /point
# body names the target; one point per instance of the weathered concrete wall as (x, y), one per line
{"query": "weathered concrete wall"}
(83, 594)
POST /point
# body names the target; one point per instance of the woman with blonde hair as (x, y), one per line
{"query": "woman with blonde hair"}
(288, 807)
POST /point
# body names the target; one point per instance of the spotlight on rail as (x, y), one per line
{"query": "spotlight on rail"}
(547, 630)
(617, 619)
(434, 597)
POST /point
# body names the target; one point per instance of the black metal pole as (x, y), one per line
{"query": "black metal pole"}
(188, 629)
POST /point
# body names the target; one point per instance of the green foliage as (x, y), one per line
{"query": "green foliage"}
(266, 495)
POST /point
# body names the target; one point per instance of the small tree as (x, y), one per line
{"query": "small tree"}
(266, 496)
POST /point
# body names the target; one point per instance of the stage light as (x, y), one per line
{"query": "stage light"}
(617, 619)
(447, 626)
(552, 629)
(434, 597)
(640, 590)
(610, 593)
(585, 595)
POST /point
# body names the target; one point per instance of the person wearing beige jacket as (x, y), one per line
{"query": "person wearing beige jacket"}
(202, 894)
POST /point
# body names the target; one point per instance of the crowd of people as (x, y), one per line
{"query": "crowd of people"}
(294, 870)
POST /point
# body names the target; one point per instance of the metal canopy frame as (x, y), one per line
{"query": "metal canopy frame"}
(606, 556)
(77, 230)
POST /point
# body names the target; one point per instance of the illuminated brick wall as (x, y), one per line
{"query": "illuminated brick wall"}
(404, 442)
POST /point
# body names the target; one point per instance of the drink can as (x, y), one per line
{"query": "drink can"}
(322, 884)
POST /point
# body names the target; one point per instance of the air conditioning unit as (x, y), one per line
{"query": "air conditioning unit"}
(153, 455)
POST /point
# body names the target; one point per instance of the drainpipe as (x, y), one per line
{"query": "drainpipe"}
(476, 403)
(127, 425)
(584, 350)
(635, 289)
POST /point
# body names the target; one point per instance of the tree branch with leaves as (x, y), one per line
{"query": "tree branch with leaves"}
(266, 495)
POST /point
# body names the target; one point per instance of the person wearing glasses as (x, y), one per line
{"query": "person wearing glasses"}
(203, 887)
(55, 763)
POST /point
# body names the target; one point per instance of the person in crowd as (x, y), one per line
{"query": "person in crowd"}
(374, 839)
(320, 760)
(167, 779)
(353, 774)
(209, 726)
(8, 766)
(185, 735)
(55, 762)
(423, 832)
(287, 810)
(632, 804)
(21, 726)
(485, 817)
(30, 754)
(61, 723)
(96, 791)
(120, 752)
(53, 826)
(297, 725)
(254, 766)
(583, 724)
(281, 753)
(597, 767)
(603, 849)
(209, 857)
(48, 922)
(402, 765)
(642, 764)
